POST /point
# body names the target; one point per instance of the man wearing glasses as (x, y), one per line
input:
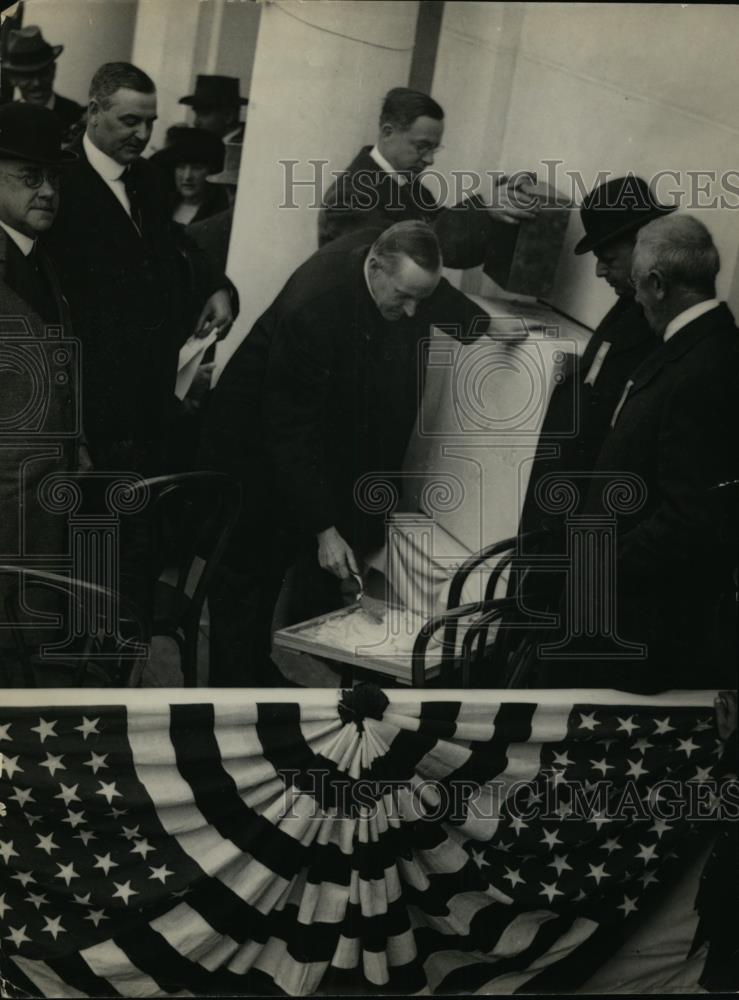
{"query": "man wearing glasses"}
(384, 185)
(39, 409)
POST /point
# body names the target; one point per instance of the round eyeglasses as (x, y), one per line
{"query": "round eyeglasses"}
(33, 178)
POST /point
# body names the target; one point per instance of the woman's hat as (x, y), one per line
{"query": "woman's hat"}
(192, 145)
(616, 208)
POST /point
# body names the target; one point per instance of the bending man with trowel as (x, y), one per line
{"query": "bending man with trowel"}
(323, 392)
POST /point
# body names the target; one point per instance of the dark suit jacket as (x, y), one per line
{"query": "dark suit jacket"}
(676, 431)
(365, 195)
(67, 111)
(213, 236)
(322, 391)
(579, 413)
(39, 412)
(133, 303)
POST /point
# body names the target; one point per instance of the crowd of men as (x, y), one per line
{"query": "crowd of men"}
(127, 254)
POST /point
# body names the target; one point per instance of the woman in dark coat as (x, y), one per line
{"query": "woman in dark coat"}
(187, 161)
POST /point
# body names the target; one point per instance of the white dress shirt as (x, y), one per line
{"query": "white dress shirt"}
(24, 243)
(109, 169)
(387, 166)
(687, 316)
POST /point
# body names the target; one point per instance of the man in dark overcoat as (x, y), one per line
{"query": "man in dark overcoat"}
(323, 391)
(127, 274)
(579, 412)
(40, 427)
(671, 589)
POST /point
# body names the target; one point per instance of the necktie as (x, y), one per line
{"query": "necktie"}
(134, 200)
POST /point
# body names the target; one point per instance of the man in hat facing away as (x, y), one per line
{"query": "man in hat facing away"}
(31, 67)
(39, 404)
(580, 410)
(217, 103)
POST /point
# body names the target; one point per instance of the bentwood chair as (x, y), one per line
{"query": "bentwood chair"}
(70, 633)
(466, 654)
(181, 536)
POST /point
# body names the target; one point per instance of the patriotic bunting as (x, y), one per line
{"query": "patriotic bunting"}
(490, 842)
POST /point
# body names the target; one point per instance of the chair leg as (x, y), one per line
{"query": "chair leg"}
(189, 657)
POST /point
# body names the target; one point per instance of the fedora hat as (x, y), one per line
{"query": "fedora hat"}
(28, 51)
(29, 132)
(230, 172)
(215, 92)
(192, 145)
(616, 208)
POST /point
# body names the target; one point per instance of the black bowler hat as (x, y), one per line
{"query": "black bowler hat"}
(28, 51)
(616, 208)
(192, 145)
(29, 132)
(215, 92)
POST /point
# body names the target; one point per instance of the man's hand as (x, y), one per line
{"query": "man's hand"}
(84, 459)
(335, 555)
(217, 315)
(513, 203)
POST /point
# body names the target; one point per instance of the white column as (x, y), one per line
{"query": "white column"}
(473, 81)
(92, 32)
(320, 72)
(164, 47)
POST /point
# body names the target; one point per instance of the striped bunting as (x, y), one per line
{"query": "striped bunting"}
(283, 847)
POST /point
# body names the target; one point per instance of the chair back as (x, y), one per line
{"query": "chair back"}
(84, 634)
(182, 535)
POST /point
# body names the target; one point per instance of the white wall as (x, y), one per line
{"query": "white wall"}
(164, 47)
(227, 40)
(620, 87)
(320, 73)
(475, 66)
(175, 40)
(92, 32)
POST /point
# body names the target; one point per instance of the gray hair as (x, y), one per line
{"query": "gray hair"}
(682, 250)
(414, 239)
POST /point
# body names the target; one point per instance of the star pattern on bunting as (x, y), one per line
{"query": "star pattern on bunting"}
(596, 816)
(68, 783)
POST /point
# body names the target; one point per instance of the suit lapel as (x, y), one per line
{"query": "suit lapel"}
(99, 195)
(13, 306)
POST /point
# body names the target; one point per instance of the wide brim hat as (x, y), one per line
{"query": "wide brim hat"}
(213, 91)
(231, 164)
(616, 208)
(193, 145)
(33, 134)
(28, 51)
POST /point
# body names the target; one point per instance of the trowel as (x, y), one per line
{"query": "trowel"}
(373, 608)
